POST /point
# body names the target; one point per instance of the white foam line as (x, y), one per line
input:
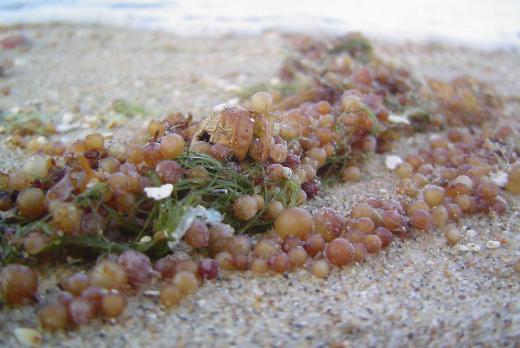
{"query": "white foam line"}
(483, 23)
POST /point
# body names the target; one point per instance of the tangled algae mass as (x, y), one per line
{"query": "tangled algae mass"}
(187, 199)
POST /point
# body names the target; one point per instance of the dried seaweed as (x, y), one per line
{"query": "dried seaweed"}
(127, 108)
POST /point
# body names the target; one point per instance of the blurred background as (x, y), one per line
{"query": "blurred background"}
(481, 23)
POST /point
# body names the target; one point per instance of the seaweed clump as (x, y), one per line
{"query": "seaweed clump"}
(226, 193)
(465, 101)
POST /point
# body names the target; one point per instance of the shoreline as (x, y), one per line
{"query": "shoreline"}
(486, 23)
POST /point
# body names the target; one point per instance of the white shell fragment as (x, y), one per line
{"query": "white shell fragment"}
(398, 119)
(28, 337)
(500, 179)
(492, 244)
(461, 248)
(158, 193)
(152, 293)
(392, 161)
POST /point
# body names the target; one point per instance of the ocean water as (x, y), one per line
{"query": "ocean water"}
(482, 23)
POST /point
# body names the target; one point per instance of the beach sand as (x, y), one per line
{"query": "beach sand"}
(418, 292)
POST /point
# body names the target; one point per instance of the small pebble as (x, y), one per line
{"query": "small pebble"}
(516, 266)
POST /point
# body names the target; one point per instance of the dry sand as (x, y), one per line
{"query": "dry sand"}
(419, 292)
